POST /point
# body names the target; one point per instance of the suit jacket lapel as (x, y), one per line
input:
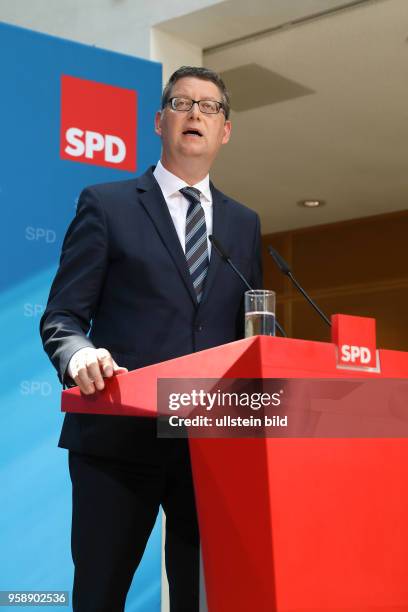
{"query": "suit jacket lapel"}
(155, 205)
(220, 231)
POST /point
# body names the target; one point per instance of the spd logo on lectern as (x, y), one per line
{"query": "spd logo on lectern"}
(98, 123)
(355, 341)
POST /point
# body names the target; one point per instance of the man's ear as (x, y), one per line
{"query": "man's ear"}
(227, 131)
(157, 123)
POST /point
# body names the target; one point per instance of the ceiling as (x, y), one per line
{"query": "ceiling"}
(344, 139)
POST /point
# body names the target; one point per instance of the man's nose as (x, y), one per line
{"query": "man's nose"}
(195, 110)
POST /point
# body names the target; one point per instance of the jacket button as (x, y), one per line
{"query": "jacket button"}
(199, 328)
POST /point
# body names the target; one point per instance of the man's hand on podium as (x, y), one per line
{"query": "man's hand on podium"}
(89, 366)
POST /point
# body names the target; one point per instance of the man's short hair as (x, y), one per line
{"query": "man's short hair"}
(199, 73)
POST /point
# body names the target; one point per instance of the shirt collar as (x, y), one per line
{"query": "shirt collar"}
(170, 184)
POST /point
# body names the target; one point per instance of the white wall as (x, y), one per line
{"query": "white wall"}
(173, 52)
(117, 25)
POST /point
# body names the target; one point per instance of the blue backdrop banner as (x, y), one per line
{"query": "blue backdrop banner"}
(71, 115)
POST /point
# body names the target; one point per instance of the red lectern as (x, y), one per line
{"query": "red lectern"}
(291, 525)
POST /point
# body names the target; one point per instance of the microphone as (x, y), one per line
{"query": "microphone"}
(283, 267)
(225, 257)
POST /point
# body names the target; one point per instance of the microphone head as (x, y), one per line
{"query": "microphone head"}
(218, 247)
(278, 259)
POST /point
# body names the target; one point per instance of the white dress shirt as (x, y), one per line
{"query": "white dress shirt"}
(170, 184)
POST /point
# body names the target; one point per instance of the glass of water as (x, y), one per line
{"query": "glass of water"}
(260, 312)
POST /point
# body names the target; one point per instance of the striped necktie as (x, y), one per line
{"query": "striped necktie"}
(196, 240)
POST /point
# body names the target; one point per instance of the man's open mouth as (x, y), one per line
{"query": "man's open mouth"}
(192, 132)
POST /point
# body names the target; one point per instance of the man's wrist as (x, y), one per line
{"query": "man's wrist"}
(72, 370)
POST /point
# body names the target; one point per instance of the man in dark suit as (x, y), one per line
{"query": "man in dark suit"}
(138, 284)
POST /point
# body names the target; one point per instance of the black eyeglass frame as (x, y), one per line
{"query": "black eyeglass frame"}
(220, 105)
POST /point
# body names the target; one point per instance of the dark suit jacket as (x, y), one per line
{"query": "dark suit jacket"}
(123, 278)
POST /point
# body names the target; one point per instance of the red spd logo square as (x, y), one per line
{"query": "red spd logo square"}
(98, 123)
(355, 338)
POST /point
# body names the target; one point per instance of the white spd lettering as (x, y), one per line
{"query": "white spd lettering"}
(40, 233)
(88, 143)
(350, 353)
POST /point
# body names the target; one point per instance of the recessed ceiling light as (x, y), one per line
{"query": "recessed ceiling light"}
(311, 203)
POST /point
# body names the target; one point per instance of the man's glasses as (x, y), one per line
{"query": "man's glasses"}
(210, 107)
